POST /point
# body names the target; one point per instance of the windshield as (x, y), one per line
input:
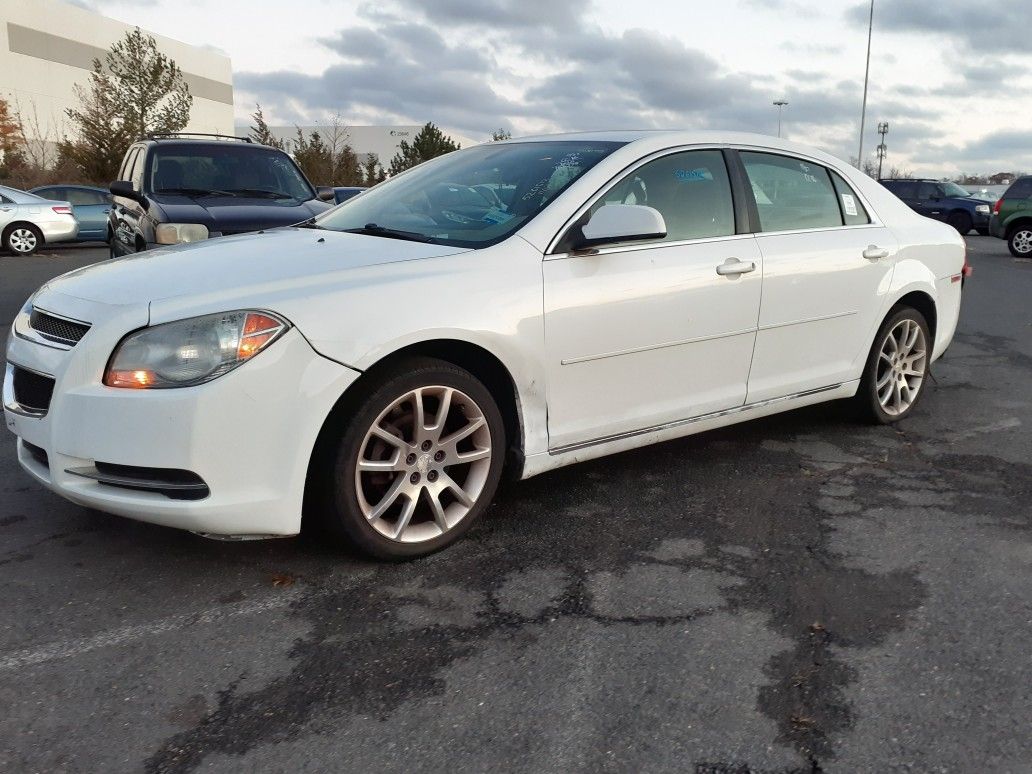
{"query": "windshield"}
(469, 198)
(952, 189)
(231, 170)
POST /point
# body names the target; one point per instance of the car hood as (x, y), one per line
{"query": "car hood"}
(289, 260)
(971, 199)
(234, 215)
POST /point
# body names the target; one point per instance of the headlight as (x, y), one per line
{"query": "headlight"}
(983, 209)
(174, 233)
(192, 351)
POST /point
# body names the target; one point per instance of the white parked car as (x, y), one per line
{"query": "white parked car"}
(382, 363)
(27, 221)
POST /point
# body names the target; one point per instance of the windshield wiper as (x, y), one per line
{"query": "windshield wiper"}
(194, 192)
(373, 229)
(310, 223)
(260, 193)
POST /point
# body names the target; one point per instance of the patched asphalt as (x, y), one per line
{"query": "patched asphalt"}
(799, 593)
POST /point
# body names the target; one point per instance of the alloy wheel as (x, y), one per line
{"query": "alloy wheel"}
(902, 365)
(1022, 241)
(22, 240)
(423, 464)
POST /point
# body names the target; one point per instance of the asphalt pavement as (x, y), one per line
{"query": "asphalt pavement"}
(799, 593)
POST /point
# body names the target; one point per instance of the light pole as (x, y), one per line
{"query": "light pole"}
(883, 129)
(780, 103)
(867, 74)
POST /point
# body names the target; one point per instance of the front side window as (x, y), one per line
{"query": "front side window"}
(470, 198)
(691, 190)
(83, 197)
(226, 170)
(126, 173)
(791, 193)
(929, 191)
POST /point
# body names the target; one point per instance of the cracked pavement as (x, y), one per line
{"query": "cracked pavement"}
(796, 594)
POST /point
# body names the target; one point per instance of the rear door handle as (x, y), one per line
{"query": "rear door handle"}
(875, 253)
(732, 267)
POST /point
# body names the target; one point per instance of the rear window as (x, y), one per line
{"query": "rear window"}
(1022, 189)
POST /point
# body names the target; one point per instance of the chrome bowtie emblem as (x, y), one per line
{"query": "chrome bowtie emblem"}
(423, 463)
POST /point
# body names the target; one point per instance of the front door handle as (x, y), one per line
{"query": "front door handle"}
(732, 267)
(875, 253)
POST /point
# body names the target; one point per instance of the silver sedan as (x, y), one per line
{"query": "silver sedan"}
(29, 221)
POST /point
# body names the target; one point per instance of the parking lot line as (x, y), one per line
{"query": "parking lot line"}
(127, 634)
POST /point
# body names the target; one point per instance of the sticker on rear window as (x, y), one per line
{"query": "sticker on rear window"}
(693, 174)
(849, 204)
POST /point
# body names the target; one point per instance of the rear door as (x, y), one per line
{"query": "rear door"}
(8, 210)
(91, 210)
(826, 267)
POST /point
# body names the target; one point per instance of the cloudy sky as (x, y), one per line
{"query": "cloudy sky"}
(952, 77)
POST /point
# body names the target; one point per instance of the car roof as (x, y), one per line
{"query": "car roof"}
(80, 186)
(163, 142)
(649, 140)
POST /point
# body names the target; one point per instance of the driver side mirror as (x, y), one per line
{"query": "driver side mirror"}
(325, 193)
(125, 190)
(613, 223)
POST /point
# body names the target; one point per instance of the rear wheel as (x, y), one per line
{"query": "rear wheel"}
(23, 239)
(961, 221)
(1020, 242)
(418, 460)
(897, 366)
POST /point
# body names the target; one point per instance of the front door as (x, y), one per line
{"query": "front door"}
(639, 335)
(826, 269)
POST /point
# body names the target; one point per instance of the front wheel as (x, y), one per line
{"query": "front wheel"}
(23, 240)
(896, 367)
(1020, 242)
(419, 459)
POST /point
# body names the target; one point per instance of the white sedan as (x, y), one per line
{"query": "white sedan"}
(524, 304)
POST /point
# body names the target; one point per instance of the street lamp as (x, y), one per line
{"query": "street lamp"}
(780, 104)
(883, 129)
(867, 74)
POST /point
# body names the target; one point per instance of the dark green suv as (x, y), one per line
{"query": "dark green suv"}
(1012, 218)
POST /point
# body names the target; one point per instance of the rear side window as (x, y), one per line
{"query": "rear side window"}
(791, 193)
(1022, 189)
(853, 212)
(903, 189)
(691, 190)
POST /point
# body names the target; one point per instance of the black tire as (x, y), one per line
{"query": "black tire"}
(866, 401)
(1019, 241)
(982, 231)
(11, 235)
(961, 221)
(337, 501)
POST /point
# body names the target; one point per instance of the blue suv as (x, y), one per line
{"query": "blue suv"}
(945, 201)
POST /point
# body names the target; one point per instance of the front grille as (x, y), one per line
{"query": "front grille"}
(33, 391)
(56, 328)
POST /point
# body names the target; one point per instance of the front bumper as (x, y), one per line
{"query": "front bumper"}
(248, 434)
(59, 229)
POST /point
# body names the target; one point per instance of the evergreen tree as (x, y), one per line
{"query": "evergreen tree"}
(260, 132)
(372, 171)
(134, 92)
(314, 157)
(430, 143)
(501, 134)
